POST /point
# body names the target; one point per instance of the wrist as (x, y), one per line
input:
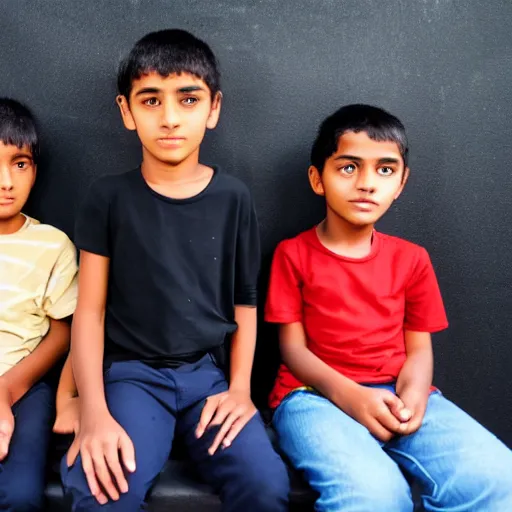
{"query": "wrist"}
(242, 389)
(94, 409)
(413, 395)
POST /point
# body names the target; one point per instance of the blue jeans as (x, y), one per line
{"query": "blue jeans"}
(153, 405)
(457, 464)
(22, 472)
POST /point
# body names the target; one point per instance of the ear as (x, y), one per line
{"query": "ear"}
(405, 177)
(213, 117)
(126, 114)
(315, 180)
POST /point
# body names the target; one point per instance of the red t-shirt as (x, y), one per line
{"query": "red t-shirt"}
(354, 311)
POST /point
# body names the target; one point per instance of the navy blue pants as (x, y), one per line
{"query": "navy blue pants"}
(22, 472)
(154, 405)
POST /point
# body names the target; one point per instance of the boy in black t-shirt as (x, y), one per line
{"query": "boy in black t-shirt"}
(168, 268)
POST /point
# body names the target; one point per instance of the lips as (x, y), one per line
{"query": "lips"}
(364, 201)
(171, 142)
(4, 201)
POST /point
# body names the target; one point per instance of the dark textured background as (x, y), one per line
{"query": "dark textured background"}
(443, 66)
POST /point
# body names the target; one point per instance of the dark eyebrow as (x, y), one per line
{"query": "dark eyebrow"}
(148, 90)
(191, 88)
(348, 157)
(389, 161)
(22, 155)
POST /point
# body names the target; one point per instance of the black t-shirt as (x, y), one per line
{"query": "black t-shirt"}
(177, 266)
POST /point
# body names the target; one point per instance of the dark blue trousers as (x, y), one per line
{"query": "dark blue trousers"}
(22, 472)
(154, 405)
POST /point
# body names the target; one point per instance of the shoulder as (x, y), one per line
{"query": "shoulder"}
(109, 184)
(292, 248)
(48, 235)
(408, 254)
(231, 185)
(400, 245)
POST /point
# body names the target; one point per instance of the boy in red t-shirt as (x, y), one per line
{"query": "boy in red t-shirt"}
(356, 410)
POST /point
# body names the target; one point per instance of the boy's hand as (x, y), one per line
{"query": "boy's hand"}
(6, 421)
(416, 403)
(99, 442)
(379, 410)
(231, 409)
(68, 417)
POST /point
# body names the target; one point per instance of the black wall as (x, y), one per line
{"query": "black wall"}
(444, 67)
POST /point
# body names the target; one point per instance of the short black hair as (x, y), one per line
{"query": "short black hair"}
(18, 126)
(166, 52)
(377, 123)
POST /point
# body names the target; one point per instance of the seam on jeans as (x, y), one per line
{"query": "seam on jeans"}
(422, 469)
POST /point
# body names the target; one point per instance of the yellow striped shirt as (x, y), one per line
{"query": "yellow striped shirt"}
(38, 273)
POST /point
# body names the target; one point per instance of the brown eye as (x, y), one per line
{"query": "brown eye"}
(152, 102)
(190, 101)
(386, 171)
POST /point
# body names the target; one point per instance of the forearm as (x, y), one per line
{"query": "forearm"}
(312, 371)
(243, 345)
(28, 371)
(417, 372)
(67, 386)
(87, 335)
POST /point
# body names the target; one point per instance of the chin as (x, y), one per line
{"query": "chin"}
(6, 216)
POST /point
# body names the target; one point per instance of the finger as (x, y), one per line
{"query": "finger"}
(6, 430)
(60, 428)
(236, 428)
(113, 464)
(90, 476)
(223, 411)
(4, 449)
(387, 419)
(412, 426)
(394, 403)
(102, 473)
(127, 452)
(380, 432)
(224, 429)
(206, 416)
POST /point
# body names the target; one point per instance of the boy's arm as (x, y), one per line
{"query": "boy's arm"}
(67, 387)
(88, 333)
(415, 378)
(234, 408)
(376, 409)
(67, 420)
(100, 438)
(21, 377)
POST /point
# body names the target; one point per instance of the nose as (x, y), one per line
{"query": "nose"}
(366, 181)
(5, 179)
(170, 115)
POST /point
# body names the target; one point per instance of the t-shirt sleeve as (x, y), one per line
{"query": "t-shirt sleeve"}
(424, 309)
(284, 298)
(248, 255)
(61, 292)
(92, 223)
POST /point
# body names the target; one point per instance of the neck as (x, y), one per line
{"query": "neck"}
(156, 171)
(344, 238)
(11, 225)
